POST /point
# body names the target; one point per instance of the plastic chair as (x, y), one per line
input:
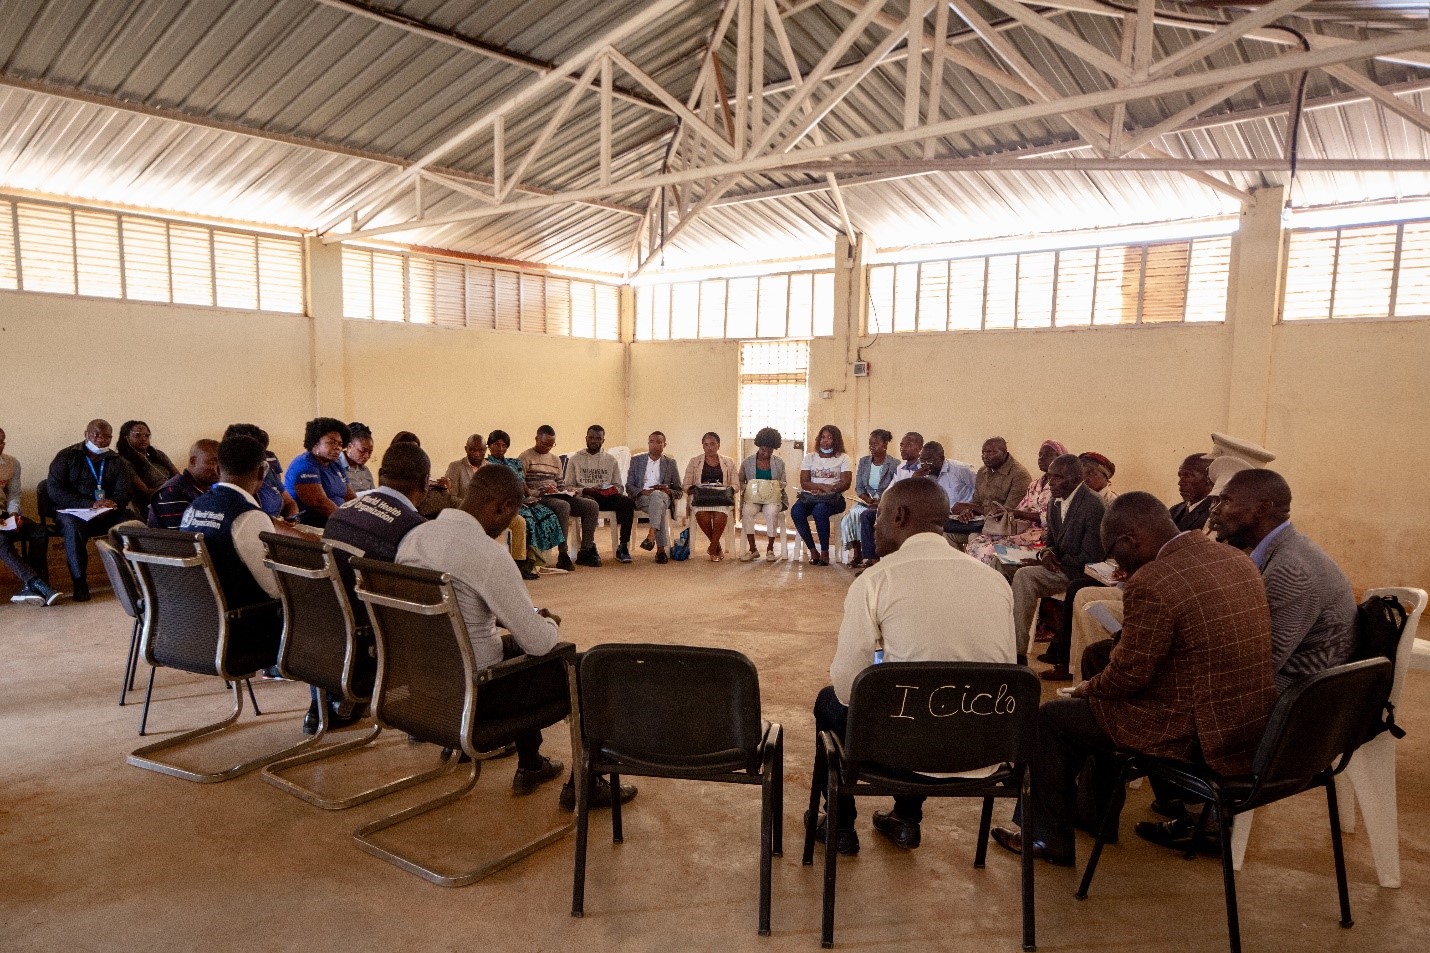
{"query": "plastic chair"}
(727, 538)
(131, 600)
(428, 686)
(188, 626)
(1370, 779)
(324, 645)
(639, 717)
(1315, 728)
(911, 720)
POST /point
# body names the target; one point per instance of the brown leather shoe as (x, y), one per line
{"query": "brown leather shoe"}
(1012, 841)
(1058, 673)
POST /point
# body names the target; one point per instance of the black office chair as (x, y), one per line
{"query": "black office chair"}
(324, 645)
(188, 626)
(910, 720)
(641, 715)
(131, 600)
(429, 687)
(1314, 729)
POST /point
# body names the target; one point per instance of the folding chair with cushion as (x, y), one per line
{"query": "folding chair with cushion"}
(931, 729)
(188, 626)
(324, 645)
(639, 716)
(131, 600)
(1369, 780)
(428, 686)
(1314, 729)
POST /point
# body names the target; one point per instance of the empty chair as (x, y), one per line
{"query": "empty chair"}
(1369, 780)
(935, 729)
(639, 715)
(1313, 732)
(131, 600)
(188, 626)
(428, 686)
(324, 645)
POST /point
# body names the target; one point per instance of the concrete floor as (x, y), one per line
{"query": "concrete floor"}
(100, 855)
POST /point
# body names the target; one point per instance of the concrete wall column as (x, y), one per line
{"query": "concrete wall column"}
(331, 391)
(1258, 268)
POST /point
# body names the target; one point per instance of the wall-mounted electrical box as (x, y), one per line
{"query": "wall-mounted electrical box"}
(861, 368)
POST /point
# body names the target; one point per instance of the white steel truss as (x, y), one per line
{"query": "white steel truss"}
(737, 125)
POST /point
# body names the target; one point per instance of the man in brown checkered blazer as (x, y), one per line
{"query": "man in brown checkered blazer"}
(1191, 677)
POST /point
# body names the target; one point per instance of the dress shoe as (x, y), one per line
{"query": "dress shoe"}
(846, 843)
(903, 833)
(589, 557)
(662, 557)
(528, 568)
(1058, 673)
(80, 593)
(1046, 658)
(1177, 835)
(527, 780)
(563, 561)
(647, 544)
(601, 797)
(623, 555)
(1011, 840)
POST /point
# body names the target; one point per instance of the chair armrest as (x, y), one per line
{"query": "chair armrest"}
(564, 652)
(267, 607)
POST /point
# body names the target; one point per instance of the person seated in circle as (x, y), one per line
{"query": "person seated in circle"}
(824, 477)
(761, 482)
(710, 481)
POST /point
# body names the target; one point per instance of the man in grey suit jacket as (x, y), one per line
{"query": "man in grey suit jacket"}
(1073, 541)
(1313, 609)
(654, 484)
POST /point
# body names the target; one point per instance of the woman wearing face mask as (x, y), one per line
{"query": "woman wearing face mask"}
(824, 477)
(149, 465)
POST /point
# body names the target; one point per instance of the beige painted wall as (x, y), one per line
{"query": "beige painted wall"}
(187, 372)
(443, 384)
(683, 389)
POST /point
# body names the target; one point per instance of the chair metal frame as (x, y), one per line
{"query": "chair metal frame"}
(143, 757)
(770, 777)
(1369, 683)
(474, 679)
(846, 775)
(310, 752)
(131, 600)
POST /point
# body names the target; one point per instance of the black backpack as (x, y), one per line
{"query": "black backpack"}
(1380, 621)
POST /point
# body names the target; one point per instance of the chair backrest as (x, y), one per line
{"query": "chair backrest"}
(622, 456)
(1413, 601)
(425, 666)
(185, 618)
(121, 578)
(43, 504)
(1319, 719)
(943, 717)
(673, 706)
(320, 644)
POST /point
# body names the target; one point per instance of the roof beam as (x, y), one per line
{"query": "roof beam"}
(1225, 36)
(906, 167)
(489, 50)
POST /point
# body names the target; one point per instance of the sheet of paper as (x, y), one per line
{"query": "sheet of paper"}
(1102, 572)
(1104, 616)
(86, 513)
(1013, 555)
(8, 526)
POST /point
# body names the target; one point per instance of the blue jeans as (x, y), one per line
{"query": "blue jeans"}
(866, 532)
(802, 511)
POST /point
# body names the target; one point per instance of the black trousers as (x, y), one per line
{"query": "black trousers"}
(78, 532)
(830, 714)
(1068, 735)
(624, 508)
(36, 543)
(1060, 648)
(517, 693)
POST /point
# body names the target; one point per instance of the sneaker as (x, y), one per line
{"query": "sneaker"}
(81, 591)
(770, 556)
(28, 596)
(271, 674)
(47, 595)
(623, 555)
(563, 561)
(602, 797)
(588, 557)
(527, 780)
(749, 555)
(647, 544)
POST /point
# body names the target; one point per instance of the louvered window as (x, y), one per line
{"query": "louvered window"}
(61, 249)
(787, 305)
(422, 289)
(774, 388)
(1362, 271)
(1152, 283)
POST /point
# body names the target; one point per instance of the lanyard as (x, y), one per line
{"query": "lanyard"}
(98, 475)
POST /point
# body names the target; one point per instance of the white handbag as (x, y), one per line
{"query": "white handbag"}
(762, 492)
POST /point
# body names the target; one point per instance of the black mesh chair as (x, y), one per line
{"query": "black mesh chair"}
(640, 716)
(429, 687)
(324, 645)
(1314, 729)
(909, 721)
(188, 626)
(131, 600)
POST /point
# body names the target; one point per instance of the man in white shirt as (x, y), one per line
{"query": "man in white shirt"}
(924, 601)
(462, 543)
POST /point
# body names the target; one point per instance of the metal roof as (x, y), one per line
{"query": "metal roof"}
(296, 112)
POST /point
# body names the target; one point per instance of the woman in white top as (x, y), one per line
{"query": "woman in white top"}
(824, 476)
